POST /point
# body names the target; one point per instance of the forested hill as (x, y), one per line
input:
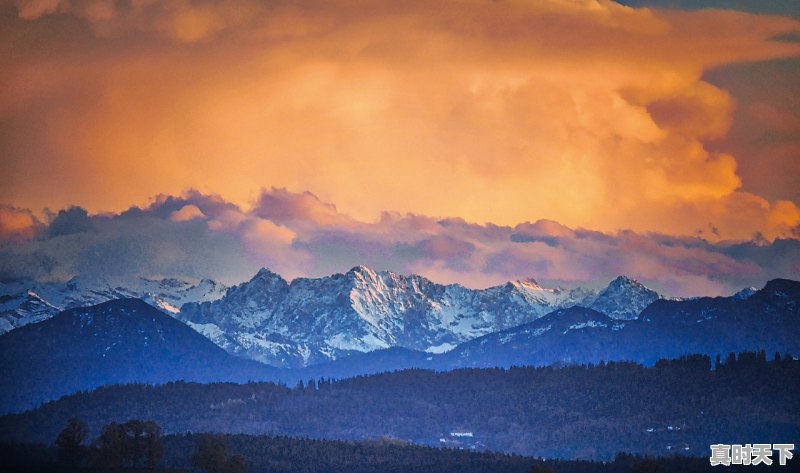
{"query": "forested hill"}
(572, 412)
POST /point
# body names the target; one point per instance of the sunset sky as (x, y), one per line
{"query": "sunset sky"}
(469, 141)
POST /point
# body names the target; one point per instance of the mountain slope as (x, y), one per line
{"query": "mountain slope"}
(767, 320)
(21, 309)
(574, 335)
(121, 341)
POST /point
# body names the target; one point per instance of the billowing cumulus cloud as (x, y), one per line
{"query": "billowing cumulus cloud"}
(589, 113)
(285, 232)
(17, 224)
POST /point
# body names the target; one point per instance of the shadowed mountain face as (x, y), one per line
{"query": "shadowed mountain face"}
(767, 320)
(121, 341)
(574, 335)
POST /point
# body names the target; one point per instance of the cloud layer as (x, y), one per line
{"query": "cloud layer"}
(296, 234)
(589, 113)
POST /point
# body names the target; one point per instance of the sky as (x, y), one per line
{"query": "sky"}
(468, 141)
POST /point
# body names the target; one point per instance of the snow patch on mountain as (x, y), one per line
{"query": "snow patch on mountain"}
(588, 324)
(443, 348)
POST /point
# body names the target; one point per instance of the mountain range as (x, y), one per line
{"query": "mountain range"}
(128, 340)
(309, 321)
(769, 319)
(317, 320)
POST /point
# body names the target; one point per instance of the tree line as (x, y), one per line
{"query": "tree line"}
(137, 444)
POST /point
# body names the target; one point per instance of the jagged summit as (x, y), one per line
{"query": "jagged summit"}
(361, 269)
(364, 275)
(625, 281)
(624, 298)
(526, 283)
(265, 274)
(745, 293)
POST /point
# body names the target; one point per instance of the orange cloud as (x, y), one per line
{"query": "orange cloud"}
(17, 224)
(585, 112)
(187, 212)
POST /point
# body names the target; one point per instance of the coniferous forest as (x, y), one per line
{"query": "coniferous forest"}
(574, 412)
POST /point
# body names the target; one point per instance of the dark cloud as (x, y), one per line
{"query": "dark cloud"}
(780, 257)
(765, 129)
(71, 220)
(165, 206)
(771, 7)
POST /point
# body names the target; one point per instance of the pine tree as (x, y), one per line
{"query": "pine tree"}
(235, 464)
(69, 443)
(211, 454)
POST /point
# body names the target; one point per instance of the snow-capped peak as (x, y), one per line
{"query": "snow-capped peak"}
(624, 298)
(745, 293)
(625, 281)
(265, 274)
(365, 275)
(527, 284)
